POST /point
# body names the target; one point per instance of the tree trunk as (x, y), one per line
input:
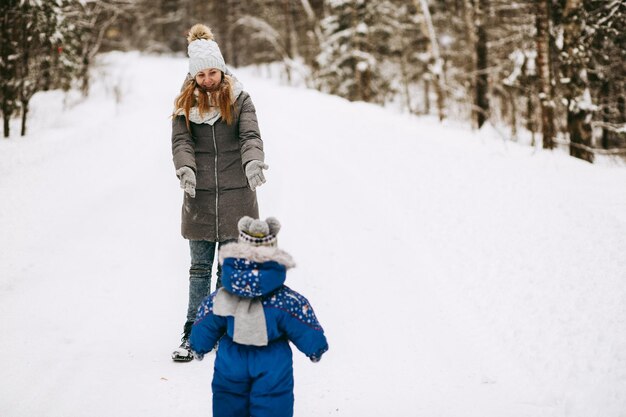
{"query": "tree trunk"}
(84, 76)
(579, 109)
(470, 32)
(365, 86)
(482, 78)
(405, 82)
(6, 118)
(232, 16)
(606, 133)
(7, 68)
(437, 68)
(530, 115)
(25, 89)
(313, 20)
(24, 116)
(579, 130)
(511, 97)
(426, 96)
(313, 46)
(482, 81)
(291, 37)
(542, 20)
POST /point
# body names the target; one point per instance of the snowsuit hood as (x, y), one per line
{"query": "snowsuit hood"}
(253, 271)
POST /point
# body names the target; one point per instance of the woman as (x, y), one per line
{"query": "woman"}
(218, 156)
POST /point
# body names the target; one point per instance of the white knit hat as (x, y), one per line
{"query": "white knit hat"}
(203, 51)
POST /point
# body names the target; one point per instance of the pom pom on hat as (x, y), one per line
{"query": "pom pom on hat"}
(273, 224)
(199, 31)
(257, 232)
(203, 51)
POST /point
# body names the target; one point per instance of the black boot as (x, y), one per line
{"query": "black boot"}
(183, 353)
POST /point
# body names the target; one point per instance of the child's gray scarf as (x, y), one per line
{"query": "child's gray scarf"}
(250, 327)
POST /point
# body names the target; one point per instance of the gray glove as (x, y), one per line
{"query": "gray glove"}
(187, 180)
(254, 173)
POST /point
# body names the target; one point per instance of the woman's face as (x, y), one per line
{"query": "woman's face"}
(209, 79)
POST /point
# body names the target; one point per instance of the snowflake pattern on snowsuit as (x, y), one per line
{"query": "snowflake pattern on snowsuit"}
(245, 279)
(206, 307)
(293, 303)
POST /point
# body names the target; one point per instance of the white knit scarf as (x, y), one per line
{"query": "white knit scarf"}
(213, 114)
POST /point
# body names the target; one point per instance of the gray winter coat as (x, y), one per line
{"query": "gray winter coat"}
(218, 155)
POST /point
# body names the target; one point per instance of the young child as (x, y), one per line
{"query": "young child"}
(254, 316)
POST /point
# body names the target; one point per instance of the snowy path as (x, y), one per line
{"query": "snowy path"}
(455, 275)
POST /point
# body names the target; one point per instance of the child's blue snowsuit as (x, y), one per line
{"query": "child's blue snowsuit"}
(250, 380)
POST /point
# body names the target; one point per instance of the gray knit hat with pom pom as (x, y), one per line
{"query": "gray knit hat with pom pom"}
(257, 232)
(203, 51)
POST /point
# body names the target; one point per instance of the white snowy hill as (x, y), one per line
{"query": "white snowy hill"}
(456, 275)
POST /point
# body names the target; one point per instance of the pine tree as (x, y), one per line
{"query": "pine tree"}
(37, 32)
(605, 38)
(43, 49)
(9, 54)
(356, 43)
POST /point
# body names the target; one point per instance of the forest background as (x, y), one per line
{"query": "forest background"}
(548, 73)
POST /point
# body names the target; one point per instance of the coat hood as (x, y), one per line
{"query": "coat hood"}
(253, 271)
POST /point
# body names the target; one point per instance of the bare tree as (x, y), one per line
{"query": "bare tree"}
(579, 104)
(474, 13)
(92, 21)
(543, 70)
(261, 31)
(437, 67)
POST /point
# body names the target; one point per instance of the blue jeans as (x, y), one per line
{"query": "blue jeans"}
(202, 257)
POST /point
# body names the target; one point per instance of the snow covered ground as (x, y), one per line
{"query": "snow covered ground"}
(456, 275)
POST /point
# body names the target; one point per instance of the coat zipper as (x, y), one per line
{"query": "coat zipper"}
(217, 223)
